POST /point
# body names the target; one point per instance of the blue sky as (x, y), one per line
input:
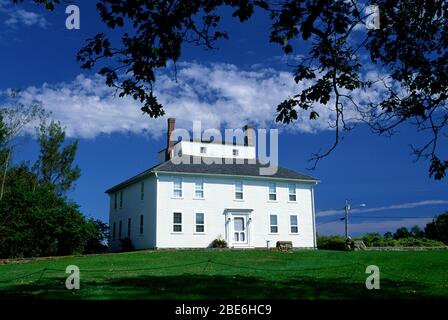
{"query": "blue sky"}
(242, 81)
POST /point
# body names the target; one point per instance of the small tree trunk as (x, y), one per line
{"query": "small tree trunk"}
(2, 188)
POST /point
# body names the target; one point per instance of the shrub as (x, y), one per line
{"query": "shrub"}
(418, 242)
(331, 243)
(219, 243)
(402, 233)
(438, 228)
(376, 240)
(126, 244)
(372, 239)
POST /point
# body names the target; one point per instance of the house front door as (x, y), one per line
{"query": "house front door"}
(239, 234)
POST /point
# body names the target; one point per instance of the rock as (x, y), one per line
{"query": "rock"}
(284, 245)
(349, 244)
(359, 245)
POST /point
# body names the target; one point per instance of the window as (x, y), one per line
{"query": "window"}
(239, 190)
(199, 189)
(292, 192)
(203, 150)
(115, 200)
(114, 229)
(142, 190)
(129, 227)
(177, 187)
(273, 223)
(177, 222)
(200, 222)
(119, 230)
(294, 224)
(141, 224)
(272, 191)
(121, 199)
(235, 152)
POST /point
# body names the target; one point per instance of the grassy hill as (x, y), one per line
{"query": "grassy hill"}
(251, 274)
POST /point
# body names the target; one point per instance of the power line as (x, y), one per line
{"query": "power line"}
(335, 220)
(390, 217)
(376, 217)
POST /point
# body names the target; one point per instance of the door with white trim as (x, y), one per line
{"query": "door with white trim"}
(239, 230)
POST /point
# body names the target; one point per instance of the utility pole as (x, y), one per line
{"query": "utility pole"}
(346, 209)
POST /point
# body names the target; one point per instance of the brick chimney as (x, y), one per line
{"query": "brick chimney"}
(248, 135)
(169, 142)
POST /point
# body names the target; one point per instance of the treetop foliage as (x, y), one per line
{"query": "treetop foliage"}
(36, 218)
(410, 47)
(54, 165)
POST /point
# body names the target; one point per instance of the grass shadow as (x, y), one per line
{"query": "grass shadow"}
(198, 286)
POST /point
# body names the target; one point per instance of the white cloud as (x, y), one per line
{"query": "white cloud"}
(408, 205)
(217, 94)
(27, 18)
(16, 16)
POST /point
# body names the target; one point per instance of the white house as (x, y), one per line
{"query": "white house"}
(185, 205)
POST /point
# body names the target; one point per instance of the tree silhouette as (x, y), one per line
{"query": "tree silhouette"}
(410, 48)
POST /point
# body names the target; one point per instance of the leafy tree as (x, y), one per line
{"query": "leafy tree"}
(416, 232)
(410, 48)
(371, 239)
(37, 221)
(438, 228)
(388, 235)
(401, 233)
(98, 236)
(48, 4)
(34, 221)
(13, 118)
(55, 163)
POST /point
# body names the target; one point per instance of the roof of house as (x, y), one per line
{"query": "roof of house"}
(216, 166)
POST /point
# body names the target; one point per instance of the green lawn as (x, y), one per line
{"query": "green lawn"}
(226, 274)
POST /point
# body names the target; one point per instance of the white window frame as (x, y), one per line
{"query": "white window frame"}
(269, 191)
(292, 194)
(296, 225)
(199, 182)
(142, 190)
(196, 223)
(177, 224)
(174, 189)
(273, 225)
(235, 190)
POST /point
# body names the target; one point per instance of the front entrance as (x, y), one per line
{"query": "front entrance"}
(238, 228)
